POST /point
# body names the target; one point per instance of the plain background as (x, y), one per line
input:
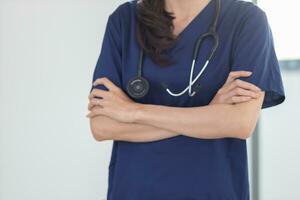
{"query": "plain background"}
(48, 51)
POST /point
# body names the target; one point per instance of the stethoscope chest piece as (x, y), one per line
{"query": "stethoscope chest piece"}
(137, 87)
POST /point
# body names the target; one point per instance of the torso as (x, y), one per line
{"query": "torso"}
(181, 167)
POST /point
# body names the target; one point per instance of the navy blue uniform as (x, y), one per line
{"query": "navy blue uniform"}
(186, 168)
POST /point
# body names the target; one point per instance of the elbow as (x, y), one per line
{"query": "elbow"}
(99, 132)
(245, 130)
(98, 135)
(244, 134)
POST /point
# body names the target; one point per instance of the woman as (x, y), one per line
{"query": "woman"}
(168, 147)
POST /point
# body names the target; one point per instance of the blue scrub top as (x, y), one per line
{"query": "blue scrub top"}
(186, 168)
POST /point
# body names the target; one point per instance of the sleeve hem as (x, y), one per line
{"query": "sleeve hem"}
(272, 98)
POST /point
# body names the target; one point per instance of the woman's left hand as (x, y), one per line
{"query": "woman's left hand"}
(114, 103)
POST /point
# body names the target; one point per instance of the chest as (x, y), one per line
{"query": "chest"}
(177, 75)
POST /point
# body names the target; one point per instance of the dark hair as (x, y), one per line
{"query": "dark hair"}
(155, 30)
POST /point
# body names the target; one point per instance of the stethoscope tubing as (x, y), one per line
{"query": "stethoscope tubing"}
(191, 81)
(138, 86)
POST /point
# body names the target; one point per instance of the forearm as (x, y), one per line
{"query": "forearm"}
(105, 128)
(208, 122)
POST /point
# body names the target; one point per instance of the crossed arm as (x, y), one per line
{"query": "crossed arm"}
(116, 117)
(207, 122)
(105, 128)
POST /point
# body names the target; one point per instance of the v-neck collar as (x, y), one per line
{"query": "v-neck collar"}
(195, 19)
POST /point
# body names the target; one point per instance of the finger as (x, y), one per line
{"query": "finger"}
(106, 82)
(239, 99)
(95, 111)
(241, 84)
(95, 102)
(236, 92)
(243, 92)
(98, 93)
(90, 106)
(236, 74)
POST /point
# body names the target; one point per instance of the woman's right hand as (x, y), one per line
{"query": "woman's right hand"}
(235, 90)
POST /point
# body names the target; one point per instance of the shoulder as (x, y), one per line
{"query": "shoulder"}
(247, 12)
(123, 13)
(243, 7)
(245, 16)
(120, 22)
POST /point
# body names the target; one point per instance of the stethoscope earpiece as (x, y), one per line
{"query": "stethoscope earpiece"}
(137, 87)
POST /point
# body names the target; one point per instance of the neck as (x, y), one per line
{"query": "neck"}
(185, 8)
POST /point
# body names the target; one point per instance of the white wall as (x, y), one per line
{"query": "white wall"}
(48, 50)
(279, 145)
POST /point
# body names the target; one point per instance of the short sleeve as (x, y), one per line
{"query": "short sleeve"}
(110, 59)
(253, 50)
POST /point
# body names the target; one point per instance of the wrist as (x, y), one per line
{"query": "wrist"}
(137, 112)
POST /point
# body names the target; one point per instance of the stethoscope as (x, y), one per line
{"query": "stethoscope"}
(138, 86)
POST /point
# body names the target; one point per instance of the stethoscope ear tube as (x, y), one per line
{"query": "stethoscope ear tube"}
(198, 44)
(216, 44)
